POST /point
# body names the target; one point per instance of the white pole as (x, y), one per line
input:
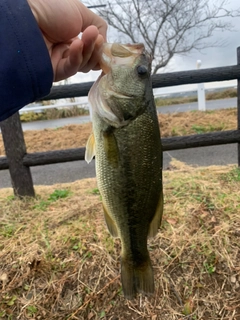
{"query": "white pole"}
(201, 92)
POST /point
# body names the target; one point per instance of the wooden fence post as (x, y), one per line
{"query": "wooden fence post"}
(15, 149)
(238, 103)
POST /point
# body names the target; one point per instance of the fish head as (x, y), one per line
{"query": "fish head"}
(123, 90)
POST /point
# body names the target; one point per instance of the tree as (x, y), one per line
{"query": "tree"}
(168, 27)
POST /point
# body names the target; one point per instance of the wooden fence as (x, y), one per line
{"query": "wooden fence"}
(19, 162)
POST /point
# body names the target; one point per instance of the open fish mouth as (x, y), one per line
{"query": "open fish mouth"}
(118, 96)
(115, 53)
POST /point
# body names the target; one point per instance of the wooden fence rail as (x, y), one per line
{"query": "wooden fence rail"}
(168, 144)
(158, 81)
(18, 161)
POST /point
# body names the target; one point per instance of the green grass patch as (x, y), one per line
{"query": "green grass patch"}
(209, 128)
(56, 195)
(232, 175)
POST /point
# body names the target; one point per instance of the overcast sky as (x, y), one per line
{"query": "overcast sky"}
(211, 57)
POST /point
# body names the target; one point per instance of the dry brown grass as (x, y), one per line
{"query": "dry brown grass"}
(57, 260)
(172, 124)
(54, 113)
(71, 136)
(194, 122)
(225, 94)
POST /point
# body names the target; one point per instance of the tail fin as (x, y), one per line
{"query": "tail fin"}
(136, 279)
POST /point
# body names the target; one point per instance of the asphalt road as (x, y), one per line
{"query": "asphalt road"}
(72, 171)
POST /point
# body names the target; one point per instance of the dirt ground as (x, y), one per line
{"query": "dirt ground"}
(174, 124)
(58, 262)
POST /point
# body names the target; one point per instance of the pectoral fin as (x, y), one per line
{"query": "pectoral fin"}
(90, 148)
(112, 228)
(157, 219)
(111, 148)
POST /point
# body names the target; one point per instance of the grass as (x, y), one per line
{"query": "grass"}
(163, 102)
(197, 122)
(225, 94)
(61, 263)
(207, 128)
(54, 113)
(57, 194)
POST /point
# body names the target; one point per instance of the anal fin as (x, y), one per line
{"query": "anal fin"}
(157, 219)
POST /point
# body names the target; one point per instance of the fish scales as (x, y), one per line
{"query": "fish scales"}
(129, 173)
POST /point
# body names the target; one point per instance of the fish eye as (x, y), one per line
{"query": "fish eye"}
(142, 70)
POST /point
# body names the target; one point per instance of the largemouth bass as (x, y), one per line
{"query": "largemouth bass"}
(127, 146)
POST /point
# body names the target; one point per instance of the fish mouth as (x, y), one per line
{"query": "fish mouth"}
(109, 97)
(115, 53)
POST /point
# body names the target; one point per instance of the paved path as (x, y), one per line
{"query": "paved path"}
(72, 171)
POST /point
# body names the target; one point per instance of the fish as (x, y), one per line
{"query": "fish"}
(126, 144)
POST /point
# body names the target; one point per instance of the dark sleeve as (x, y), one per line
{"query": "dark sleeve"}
(25, 67)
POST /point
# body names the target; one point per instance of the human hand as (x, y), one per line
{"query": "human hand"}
(60, 22)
